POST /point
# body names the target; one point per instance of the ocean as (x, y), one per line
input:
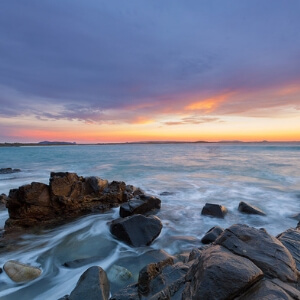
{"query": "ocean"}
(183, 176)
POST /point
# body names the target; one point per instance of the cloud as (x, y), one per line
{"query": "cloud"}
(193, 121)
(125, 62)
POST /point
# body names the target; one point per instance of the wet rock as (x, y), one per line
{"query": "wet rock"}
(166, 193)
(214, 210)
(128, 293)
(219, 274)
(291, 240)
(212, 234)
(296, 217)
(250, 209)
(195, 253)
(3, 201)
(142, 204)
(265, 290)
(19, 272)
(118, 273)
(265, 251)
(9, 170)
(293, 292)
(92, 284)
(1, 270)
(68, 196)
(136, 230)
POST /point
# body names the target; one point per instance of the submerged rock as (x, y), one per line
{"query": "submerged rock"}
(250, 209)
(142, 204)
(92, 284)
(212, 234)
(118, 273)
(19, 272)
(136, 230)
(264, 250)
(66, 197)
(9, 170)
(214, 210)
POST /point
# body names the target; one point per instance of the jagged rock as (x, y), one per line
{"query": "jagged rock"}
(219, 274)
(195, 253)
(3, 201)
(214, 210)
(265, 251)
(265, 290)
(19, 272)
(250, 209)
(136, 230)
(66, 197)
(212, 234)
(291, 240)
(9, 170)
(142, 204)
(92, 284)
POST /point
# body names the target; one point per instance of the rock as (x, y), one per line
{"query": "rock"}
(9, 170)
(118, 273)
(265, 290)
(250, 209)
(92, 284)
(136, 230)
(142, 204)
(212, 234)
(296, 217)
(265, 251)
(166, 193)
(219, 274)
(68, 196)
(19, 272)
(214, 210)
(293, 292)
(3, 201)
(291, 240)
(128, 293)
(195, 253)
(1, 270)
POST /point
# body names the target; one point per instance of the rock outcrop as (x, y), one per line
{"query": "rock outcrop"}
(136, 230)
(66, 197)
(214, 210)
(247, 208)
(9, 170)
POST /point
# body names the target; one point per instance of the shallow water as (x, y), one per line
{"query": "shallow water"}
(265, 175)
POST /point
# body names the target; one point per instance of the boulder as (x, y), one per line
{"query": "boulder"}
(3, 201)
(265, 290)
(136, 230)
(291, 240)
(142, 204)
(264, 250)
(9, 170)
(66, 197)
(118, 273)
(214, 210)
(219, 274)
(211, 235)
(292, 291)
(92, 284)
(19, 272)
(250, 209)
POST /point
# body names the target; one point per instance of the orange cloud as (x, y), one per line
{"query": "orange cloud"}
(209, 104)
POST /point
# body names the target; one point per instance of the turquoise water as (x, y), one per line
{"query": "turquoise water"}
(265, 174)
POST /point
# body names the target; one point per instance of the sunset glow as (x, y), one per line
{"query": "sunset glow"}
(145, 77)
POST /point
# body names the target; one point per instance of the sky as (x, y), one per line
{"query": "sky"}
(146, 70)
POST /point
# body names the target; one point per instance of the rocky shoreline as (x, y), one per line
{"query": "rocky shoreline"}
(239, 262)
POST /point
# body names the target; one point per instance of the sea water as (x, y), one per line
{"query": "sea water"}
(183, 176)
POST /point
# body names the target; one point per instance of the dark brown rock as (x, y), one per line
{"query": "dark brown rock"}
(291, 240)
(93, 285)
(212, 234)
(265, 290)
(250, 209)
(214, 210)
(3, 201)
(142, 204)
(136, 230)
(219, 274)
(265, 251)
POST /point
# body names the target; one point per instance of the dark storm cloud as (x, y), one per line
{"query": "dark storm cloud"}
(90, 56)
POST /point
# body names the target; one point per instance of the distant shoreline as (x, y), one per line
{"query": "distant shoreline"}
(43, 144)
